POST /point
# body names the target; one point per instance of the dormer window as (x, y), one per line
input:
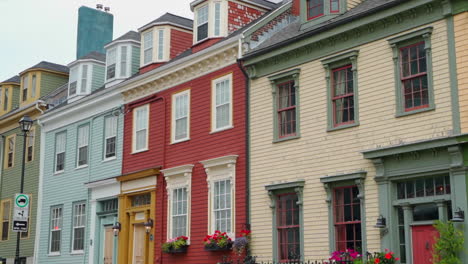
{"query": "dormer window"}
(314, 8)
(84, 78)
(123, 61)
(160, 44)
(111, 60)
(148, 47)
(25, 88)
(217, 22)
(202, 23)
(80, 79)
(5, 101)
(73, 81)
(314, 12)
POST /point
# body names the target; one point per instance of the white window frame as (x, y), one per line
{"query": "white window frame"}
(84, 144)
(174, 118)
(30, 143)
(198, 24)
(161, 46)
(57, 153)
(81, 224)
(217, 19)
(33, 85)
(134, 139)
(74, 71)
(123, 69)
(214, 125)
(25, 87)
(177, 178)
(220, 169)
(55, 217)
(148, 46)
(112, 134)
(111, 59)
(84, 78)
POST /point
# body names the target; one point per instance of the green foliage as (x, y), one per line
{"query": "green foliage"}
(448, 244)
(166, 247)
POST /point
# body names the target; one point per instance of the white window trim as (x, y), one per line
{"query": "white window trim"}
(116, 63)
(25, 87)
(173, 119)
(80, 146)
(73, 229)
(218, 169)
(220, 19)
(55, 253)
(105, 138)
(145, 48)
(33, 86)
(74, 78)
(176, 178)
(56, 153)
(196, 25)
(134, 132)
(161, 45)
(213, 103)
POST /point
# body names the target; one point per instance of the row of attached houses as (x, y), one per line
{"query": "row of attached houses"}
(304, 121)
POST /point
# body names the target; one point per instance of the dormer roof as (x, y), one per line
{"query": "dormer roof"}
(94, 56)
(170, 19)
(130, 36)
(45, 65)
(15, 79)
(260, 3)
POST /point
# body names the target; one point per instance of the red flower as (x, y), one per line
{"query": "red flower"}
(377, 261)
(388, 255)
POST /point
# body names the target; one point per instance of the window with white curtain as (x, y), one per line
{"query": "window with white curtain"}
(222, 103)
(79, 222)
(84, 78)
(110, 136)
(123, 61)
(140, 128)
(111, 61)
(217, 21)
(83, 138)
(60, 144)
(161, 44)
(148, 47)
(55, 235)
(180, 116)
(179, 212)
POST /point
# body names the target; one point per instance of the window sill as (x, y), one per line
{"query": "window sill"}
(109, 159)
(221, 129)
(81, 167)
(139, 151)
(180, 141)
(59, 172)
(331, 129)
(75, 253)
(278, 140)
(417, 111)
(53, 254)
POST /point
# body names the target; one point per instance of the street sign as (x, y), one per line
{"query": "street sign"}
(21, 213)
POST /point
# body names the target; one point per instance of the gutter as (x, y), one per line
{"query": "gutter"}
(323, 29)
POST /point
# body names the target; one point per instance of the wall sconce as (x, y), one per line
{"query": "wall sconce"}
(458, 215)
(148, 225)
(381, 222)
(116, 228)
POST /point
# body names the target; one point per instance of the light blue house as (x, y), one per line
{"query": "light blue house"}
(82, 145)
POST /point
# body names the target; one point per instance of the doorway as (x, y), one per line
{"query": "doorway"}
(139, 245)
(423, 237)
(108, 245)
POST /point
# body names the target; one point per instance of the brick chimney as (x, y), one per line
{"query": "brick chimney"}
(296, 7)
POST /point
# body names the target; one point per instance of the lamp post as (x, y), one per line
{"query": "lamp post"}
(25, 125)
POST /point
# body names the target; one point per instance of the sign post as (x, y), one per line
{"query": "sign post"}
(21, 213)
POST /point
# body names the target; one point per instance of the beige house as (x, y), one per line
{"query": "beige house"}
(356, 115)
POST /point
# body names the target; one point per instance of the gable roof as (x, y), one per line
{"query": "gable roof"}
(49, 66)
(293, 32)
(169, 18)
(14, 79)
(94, 55)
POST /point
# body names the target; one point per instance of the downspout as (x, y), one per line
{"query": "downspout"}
(40, 103)
(39, 193)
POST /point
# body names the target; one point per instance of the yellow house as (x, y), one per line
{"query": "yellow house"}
(9, 91)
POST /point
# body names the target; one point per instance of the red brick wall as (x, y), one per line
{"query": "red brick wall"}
(240, 15)
(180, 41)
(201, 146)
(296, 7)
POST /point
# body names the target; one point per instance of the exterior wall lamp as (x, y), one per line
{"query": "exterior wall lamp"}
(116, 228)
(381, 222)
(148, 225)
(458, 216)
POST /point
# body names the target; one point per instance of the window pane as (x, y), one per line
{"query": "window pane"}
(334, 5)
(425, 212)
(123, 61)
(217, 18)
(222, 205)
(288, 227)
(315, 8)
(160, 44)
(148, 47)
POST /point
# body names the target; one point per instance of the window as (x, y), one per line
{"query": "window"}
(161, 44)
(288, 227)
(123, 61)
(424, 187)
(83, 138)
(30, 145)
(25, 87)
(79, 222)
(10, 146)
(334, 6)
(179, 212)
(222, 103)
(5, 210)
(413, 72)
(73, 82)
(341, 76)
(84, 78)
(110, 136)
(148, 49)
(315, 8)
(141, 200)
(180, 116)
(202, 23)
(140, 128)
(60, 144)
(217, 21)
(111, 61)
(55, 229)
(109, 206)
(222, 206)
(5, 102)
(347, 218)
(1, 98)
(33, 86)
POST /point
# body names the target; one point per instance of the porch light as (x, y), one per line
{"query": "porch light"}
(25, 123)
(148, 225)
(381, 222)
(116, 228)
(458, 215)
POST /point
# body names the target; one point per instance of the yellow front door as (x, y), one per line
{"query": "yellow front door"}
(139, 246)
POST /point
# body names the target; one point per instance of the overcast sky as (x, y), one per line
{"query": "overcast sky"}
(35, 30)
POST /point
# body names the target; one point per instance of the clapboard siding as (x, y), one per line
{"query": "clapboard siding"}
(461, 44)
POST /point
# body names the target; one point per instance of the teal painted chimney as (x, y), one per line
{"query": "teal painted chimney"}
(95, 29)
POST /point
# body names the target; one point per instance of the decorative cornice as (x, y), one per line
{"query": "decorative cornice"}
(226, 160)
(285, 185)
(184, 169)
(344, 177)
(190, 71)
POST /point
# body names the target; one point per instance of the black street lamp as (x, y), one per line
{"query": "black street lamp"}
(25, 125)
